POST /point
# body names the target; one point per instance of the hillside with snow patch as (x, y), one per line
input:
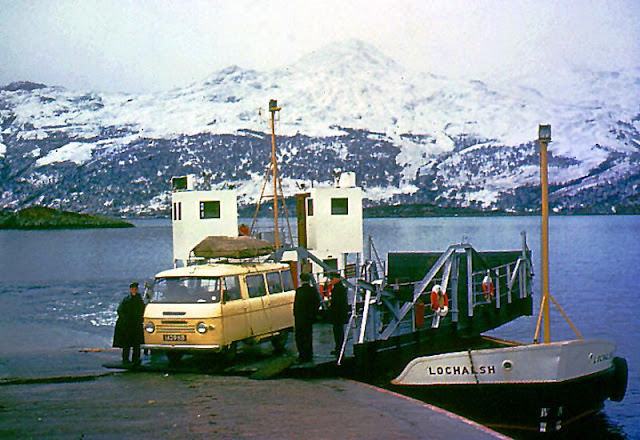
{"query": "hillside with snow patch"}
(411, 137)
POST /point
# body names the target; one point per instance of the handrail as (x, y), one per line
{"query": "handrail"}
(516, 271)
(378, 261)
(418, 290)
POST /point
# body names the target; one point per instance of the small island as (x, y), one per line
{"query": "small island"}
(40, 217)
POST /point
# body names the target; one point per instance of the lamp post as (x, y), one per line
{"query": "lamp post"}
(544, 137)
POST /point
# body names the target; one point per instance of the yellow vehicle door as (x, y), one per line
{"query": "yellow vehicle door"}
(235, 320)
(259, 318)
(281, 296)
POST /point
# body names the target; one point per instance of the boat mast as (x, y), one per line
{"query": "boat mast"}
(273, 108)
(272, 169)
(544, 137)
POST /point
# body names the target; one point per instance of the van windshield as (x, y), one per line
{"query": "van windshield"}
(187, 290)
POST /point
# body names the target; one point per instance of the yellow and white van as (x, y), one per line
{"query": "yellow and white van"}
(213, 307)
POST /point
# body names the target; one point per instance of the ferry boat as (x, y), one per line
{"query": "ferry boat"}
(540, 387)
(390, 313)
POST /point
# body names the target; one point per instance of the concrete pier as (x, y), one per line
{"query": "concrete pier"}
(71, 395)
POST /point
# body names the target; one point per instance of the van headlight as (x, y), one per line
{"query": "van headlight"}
(201, 327)
(150, 327)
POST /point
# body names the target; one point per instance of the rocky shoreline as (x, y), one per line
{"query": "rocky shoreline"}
(40, 217)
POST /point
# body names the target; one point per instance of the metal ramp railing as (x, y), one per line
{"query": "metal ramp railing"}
(372, 302)
(418, 290)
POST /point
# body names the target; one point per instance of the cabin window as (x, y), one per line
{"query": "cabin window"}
(210, 209)
(230, 289)
(179, 183)
(177, 211)
(255, 285)
(310, 207)
(287, 280)
(274, 283)
(339, 206)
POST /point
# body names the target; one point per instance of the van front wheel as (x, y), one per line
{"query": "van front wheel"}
(229, 352)
(174, 357)
(279, 341)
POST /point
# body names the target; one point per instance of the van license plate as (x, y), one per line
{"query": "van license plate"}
(174, 338)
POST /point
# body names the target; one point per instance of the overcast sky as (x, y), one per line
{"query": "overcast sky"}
(141, 46)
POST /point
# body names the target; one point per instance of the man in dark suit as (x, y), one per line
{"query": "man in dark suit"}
(128, 333)
(338, 311)
(305, 307)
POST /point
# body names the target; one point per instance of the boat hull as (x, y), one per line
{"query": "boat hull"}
(541, 387)
(535, 406)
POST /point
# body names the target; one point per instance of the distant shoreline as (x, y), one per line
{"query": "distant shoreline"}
(43, 218)
(424, 210)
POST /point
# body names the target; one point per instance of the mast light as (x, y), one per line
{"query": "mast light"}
(273, 105)
(544, 132)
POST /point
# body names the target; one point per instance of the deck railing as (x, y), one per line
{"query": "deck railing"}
(396, 313)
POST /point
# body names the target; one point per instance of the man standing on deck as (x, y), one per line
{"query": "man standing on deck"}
(128, 333)
(338, 311)
(305, 307)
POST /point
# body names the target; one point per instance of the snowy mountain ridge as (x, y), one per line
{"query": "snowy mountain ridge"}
(440, 140)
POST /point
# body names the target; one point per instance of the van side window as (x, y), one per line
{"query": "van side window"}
(274, 283)
(287, 281)
(255, 284)
(230, 289)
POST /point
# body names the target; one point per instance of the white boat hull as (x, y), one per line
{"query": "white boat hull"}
(553, 362)
(538, 387)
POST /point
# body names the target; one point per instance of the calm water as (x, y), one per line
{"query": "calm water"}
(75, 279)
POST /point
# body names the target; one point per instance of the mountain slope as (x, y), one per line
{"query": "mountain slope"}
(411, 137)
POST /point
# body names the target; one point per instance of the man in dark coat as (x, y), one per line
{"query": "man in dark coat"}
(128, 333)
(305, 307)
(338, 311)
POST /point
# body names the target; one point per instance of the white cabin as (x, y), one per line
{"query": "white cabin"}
(333, 221)
(329, 220)
(198, 214)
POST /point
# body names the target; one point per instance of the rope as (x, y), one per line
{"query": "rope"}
(475, 374)
(575, 329)
(284, 208)
(264, 185)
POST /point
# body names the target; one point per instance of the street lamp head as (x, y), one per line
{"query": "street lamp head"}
(544, 132)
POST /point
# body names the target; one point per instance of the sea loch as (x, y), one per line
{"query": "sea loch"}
(67, 282)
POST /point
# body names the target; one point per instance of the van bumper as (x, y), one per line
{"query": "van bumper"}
(192, 348)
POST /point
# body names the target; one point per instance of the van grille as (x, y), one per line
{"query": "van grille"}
(175, 327)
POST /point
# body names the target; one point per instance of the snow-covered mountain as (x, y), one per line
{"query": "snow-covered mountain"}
(410, 136)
